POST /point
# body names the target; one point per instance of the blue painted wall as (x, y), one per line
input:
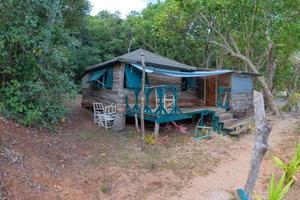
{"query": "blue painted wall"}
(241, 83)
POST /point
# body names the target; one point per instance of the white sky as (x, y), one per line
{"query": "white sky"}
(124, 6)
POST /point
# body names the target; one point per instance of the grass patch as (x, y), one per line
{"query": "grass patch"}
(105, 189)
(88, 136)
(180, 155)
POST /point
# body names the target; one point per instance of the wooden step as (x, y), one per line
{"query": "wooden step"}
(220, 111)
(225, 116)
(239, 131)
(239, 125)
(230, 122)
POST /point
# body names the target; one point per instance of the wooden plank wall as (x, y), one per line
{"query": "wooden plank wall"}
(224, 80)
(241, 99)
(92, 94)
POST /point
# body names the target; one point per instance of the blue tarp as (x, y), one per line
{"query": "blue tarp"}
(134, 77)
(109, 78)
(174, 73)
(96, 75)
(105, 76)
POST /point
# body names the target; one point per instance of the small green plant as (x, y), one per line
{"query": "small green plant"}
(105, 188)
(290, 168)
(150, 139)
(277, 191)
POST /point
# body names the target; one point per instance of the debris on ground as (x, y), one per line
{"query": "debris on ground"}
(12, 156)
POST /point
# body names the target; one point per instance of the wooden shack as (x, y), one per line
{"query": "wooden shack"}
(194, 91)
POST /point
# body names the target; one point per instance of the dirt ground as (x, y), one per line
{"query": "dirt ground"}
(83, 161)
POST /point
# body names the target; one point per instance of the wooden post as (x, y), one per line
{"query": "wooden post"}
(263, 129)
(143, 102)
(204, 91)
(156, 130)
(216, 90)
(118, 87)
(136, 123)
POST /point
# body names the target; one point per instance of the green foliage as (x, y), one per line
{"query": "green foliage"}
(279, 190)
(36, 48)
(105, 189)
(150, 139)
(291, 103)
(290, 168)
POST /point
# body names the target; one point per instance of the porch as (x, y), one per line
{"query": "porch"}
(156, 111)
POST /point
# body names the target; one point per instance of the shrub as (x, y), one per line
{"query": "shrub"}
(290, 168)
(277, 191)
(33, 103)
(150, 139)
(35, 57)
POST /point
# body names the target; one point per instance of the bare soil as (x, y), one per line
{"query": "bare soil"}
(83, 161)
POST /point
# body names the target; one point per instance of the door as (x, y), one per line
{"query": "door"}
(210, 91)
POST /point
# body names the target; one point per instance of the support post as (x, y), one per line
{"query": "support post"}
(118, 88)
(136, 123)
(143, 102)
(263, 129)
(156, 130)
(204, 90)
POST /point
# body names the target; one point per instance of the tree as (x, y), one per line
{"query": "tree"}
(246, 31)
(36, 69)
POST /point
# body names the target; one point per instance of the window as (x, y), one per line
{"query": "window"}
(102, 78)
(188, 83)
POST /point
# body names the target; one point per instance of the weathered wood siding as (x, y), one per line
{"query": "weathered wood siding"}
(241, 94)
(92, 94)
(186, 98)
(115, 95)
(224, 80)
(119, 97)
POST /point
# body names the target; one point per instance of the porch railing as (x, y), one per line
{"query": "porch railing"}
(161, 91)
(223, 99)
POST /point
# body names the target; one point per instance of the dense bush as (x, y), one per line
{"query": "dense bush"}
(37, 43)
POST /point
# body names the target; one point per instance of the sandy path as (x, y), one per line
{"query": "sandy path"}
(230, 175)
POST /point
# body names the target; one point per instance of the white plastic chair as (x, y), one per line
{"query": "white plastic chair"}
(108, 117)
(98, 112)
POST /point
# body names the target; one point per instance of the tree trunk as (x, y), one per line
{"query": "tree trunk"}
(51, 17)
(263, 129)
(271, 67)
(220, 60)
(207, 54)
(268, 94)
(143, 104)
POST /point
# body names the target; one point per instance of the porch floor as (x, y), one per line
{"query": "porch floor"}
(186, 113)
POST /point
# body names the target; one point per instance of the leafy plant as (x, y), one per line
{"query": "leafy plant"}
(150, 139)
(290, 168)
(105, 189)
(36, 46)
(277, 191)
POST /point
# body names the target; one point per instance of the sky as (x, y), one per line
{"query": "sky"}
(124, 6)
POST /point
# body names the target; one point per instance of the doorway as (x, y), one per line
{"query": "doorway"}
(210, 99)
